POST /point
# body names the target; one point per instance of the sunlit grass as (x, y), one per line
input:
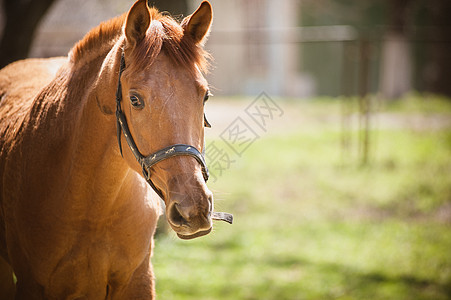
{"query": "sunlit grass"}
(313, 224)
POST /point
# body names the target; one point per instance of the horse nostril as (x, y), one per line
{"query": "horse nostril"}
(175, 216)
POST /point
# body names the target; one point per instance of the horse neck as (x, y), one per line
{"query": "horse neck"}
(97, 163)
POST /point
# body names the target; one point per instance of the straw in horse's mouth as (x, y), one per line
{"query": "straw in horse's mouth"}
(222, 216)
(218, 216)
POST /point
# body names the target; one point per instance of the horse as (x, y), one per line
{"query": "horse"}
(77, 216)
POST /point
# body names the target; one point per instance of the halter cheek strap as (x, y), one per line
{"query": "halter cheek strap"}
(119, 112)
(146, 162)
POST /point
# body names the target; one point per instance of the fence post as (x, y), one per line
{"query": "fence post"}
(347, 91)
(364, 100)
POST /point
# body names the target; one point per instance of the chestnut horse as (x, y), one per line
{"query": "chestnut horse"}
(76, 216)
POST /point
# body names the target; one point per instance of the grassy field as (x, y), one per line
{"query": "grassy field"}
(311, 222)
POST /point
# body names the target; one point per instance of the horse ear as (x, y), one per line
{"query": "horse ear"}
(137, 23)
(198, 24)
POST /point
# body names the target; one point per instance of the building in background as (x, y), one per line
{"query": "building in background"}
(68, 21)
(296, 48)
(249, 41)
(254, 50)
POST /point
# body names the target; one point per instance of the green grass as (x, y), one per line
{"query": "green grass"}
(311, 223)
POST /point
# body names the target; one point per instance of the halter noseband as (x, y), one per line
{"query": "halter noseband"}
(146, 162)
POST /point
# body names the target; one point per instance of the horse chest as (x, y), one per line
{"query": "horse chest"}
(100, 256)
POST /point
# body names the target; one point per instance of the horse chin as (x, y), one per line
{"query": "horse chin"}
(193, 236)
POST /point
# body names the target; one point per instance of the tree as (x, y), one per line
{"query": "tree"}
(438, 34)
(22, 18)
(429, 34)
(396, 65)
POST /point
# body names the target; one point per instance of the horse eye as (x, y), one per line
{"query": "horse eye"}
(136, 102)
(207, 95)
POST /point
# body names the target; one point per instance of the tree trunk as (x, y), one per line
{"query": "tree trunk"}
(22, 18)
(438, 64)
(396, 65)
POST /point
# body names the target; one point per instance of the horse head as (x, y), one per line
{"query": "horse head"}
(162, 96)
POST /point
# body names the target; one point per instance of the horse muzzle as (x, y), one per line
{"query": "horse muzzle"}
(190, 214)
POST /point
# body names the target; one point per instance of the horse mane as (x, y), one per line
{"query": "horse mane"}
(104, 35)
(164, 34)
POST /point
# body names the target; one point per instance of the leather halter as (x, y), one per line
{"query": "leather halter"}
(146, 162)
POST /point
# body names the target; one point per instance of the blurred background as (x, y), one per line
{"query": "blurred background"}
(331, 144)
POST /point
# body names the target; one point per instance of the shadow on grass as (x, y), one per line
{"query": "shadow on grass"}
(340, 281)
